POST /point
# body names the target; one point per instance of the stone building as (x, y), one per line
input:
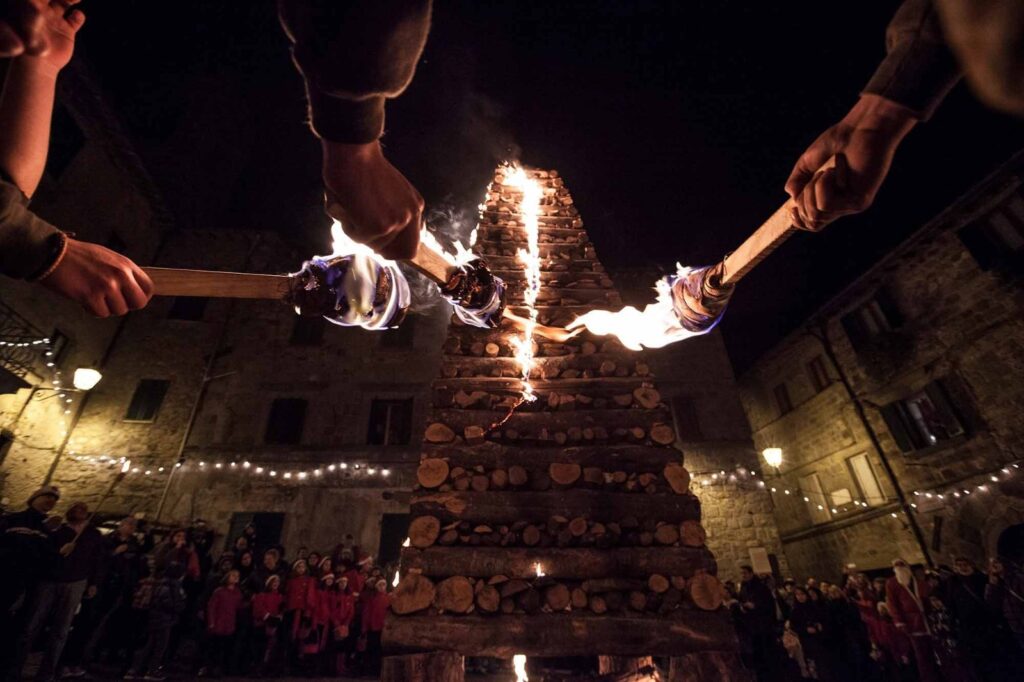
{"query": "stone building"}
(897, 404)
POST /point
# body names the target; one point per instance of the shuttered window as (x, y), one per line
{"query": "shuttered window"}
(924, 418)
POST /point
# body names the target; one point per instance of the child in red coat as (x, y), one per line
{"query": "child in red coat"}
(299, 608)
(375, 610)
(221, 621)
(267, 608)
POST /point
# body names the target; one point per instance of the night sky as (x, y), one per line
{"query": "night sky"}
(675, 125)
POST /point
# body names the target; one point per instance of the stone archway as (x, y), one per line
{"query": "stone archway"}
(1010, 544)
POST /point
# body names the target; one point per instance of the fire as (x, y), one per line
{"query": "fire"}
(529, 207)
(655, 327)
(408, 541)
(538, 569)
(462, 255)
(519, 663)
(395, 580)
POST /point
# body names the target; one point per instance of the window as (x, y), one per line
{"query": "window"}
(819, 375)
(810, 488)
(782, 400)
(998, 238)
(189, 308)
(871, 319)
(66, 140)
(684, 410)
(402, 336)
(147, 399)
(308, 331)
(923, 419)
(867, 482)
(390, 422)
(285, 422)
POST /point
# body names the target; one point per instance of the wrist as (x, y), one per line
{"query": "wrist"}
(340, 154)
(38, 67)
(878, 114)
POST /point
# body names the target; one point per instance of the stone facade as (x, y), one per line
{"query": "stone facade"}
(930, 339)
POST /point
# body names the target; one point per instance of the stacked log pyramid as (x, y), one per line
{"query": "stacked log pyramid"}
(570, 529)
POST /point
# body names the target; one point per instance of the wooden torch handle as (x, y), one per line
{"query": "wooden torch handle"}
(764, 240)
(216, 284)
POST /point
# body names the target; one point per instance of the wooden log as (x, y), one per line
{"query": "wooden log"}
(658, 584)
(529, 600)
(423, 531)
(579, 598)
(480, 483)
(578, 526)
(598, 604)
(531, 536)
(513, 587)
(607, 369)
(517, 475)
(678, 478)
(663, 434)
(557, 597)
(692, 534)
(564, 474)
(679, 582)
(628, 457)
(593, 475)
(666, 534)
(432, 472)
(499, 479)
(637, 600)
(439, 433)
(602, 585)
(623, 399)
(439, 666)
(706, 591)
(507, 507)
(474, 399)
(646, 397)
(454, 594)
(415, 592)
(491, 350)
(474, 434)
(488, 599)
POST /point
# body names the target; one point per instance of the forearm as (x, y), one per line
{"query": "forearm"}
(26, 108)
(354, 55)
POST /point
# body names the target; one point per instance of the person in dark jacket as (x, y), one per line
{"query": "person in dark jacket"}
(807, 621)
(1005, 594)
(166, 604)
(57, 597)
(757, 613)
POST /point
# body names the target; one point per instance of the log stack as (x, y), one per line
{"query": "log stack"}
(570, 529)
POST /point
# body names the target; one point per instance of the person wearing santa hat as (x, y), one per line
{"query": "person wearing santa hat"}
(907, 599)
(375, 610)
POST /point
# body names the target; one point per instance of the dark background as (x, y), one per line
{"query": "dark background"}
(675, 125)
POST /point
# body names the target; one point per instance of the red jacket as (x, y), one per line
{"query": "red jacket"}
(356, 581)
(265, 605)
(904, 609)
(300, 594)
(341, 608)
(375, 610)
(222, 610)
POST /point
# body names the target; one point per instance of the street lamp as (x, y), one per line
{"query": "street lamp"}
(86, 378)
(772, 457)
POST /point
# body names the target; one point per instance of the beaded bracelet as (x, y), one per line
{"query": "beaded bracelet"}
(61, 251)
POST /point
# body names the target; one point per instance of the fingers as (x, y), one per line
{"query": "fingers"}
(75, 19)
(403, 246)
(116, 303)
(97, 305)
(806, 166)
(143, 280)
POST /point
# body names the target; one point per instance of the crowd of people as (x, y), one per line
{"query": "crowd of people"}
(957, 624)
(129, 601)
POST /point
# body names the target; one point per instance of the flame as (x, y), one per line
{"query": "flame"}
(462, 254)
(655, 327)
(529, 207)
(395, 580)
(519, 663)
(538, 569)
(408, 541)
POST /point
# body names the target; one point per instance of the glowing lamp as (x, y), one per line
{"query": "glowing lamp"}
(773, 457)
(85, 378)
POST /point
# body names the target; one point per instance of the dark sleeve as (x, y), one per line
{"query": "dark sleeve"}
(354, 55)
(919, 69)
(26, 245)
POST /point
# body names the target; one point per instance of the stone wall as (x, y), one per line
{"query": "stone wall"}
(957, 322)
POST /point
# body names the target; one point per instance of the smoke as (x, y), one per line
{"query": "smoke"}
(450, 224)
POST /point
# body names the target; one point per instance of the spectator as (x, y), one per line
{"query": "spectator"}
(267, 611)
(907, 599)
(757, 614)
(945, 638)
(375, 609)
(166, 604)
(979, 631)
(201, 539)
(1005, 594)
(57, 597)
(806, 621)
(299, 605)
(221, 622)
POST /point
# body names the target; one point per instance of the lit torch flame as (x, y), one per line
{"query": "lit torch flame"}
(394, 582)
(655, 327)
(538, 569)
(529, 207)
(408, 541)
(519, 663)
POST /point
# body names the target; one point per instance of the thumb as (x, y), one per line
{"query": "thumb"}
(806, 166)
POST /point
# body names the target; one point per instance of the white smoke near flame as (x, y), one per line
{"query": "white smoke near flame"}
(654, 327)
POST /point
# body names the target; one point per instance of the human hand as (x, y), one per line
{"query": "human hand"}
(67, 548)
(864, 143)
(100, 280)
(61, 23)
(22, 27)
(374, 202)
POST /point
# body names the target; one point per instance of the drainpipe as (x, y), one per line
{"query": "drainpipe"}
(858, 406)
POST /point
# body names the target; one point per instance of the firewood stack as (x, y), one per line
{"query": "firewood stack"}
(569, 530)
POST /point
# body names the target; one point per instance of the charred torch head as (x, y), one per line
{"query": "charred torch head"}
(351, 291)
(476, 294)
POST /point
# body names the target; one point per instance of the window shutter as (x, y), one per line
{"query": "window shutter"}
(938, 392)
(894, 422)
